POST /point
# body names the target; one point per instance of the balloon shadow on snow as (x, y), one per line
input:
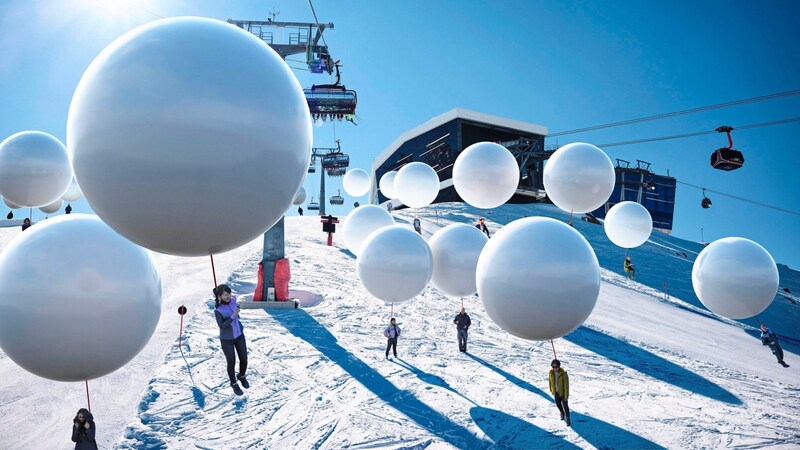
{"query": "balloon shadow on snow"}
(510, 432)
(348, 253)
(649, 364)
(429, 378)
(305, 327)
(597, 432)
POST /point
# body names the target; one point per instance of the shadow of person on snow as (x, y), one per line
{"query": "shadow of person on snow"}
(597, 432)
(510, 432)
(649, 364)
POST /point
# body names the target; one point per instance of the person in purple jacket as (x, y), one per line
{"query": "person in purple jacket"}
(392, 332)
(83, 430)
(231, 336)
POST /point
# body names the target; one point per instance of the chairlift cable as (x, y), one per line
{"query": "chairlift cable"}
(699, 133)
(678, 113)
(777, 208)
(317, 22)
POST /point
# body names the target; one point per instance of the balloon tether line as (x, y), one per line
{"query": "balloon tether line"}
(391, 310)
(213, 271)
(554, 349)
(88, 402)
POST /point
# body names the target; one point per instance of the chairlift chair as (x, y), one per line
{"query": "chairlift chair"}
(706, 202)
(312, 168)
(337, 199)
(331, 101)
(312, 206)
(727, 158)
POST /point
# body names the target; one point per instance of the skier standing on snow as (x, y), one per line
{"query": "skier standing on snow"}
(559, 387)
(482, 226)
(231, 335)
(768, 337)
(83, 430)
(392, 332)
(629, 270)
(463, 323)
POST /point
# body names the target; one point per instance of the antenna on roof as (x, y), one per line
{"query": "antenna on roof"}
(274, 13)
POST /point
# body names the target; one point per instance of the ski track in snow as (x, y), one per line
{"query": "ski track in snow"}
(647, 369)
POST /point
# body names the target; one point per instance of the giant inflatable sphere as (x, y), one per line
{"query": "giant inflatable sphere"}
(52, 208)
(300, 197)
(356, 182)
(10, 204)
(486, 175)
(387, 184)
(416, 185)
(363, 221)
(79, 301)
(395, 264)
(34, 169)
(538, 278)
(189, 136)
(628, 224)
(73, 193)
(735, 278)
(579, 177)
(455, 250)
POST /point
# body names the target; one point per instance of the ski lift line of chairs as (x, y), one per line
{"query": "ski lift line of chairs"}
(331, 101)
(312, 205)
(336, 171)
(727, 158)
(337, 199)
(705, 202)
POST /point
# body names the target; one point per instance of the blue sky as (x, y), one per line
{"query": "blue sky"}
(563, 65)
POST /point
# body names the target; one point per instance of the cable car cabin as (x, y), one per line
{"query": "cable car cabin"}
(313, 206)
(705, 203)
(335, 160)
(727, 159)
(337, 199)
(336, 171)
(331, 101)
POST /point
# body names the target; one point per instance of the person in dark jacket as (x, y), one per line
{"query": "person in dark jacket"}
(482, 226)
(231, 336)
(559, 387)
(417, 225)
(68, 209)
(26, 224)
(300, 210)
(83, 430)
(462, 322)
(768, 337)
(392, 332)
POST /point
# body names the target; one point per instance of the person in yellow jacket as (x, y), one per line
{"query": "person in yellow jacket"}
(629, 270)
(559, 387)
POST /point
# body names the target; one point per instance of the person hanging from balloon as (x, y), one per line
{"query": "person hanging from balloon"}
(231, 336)
(630, 271)
(417, 225)
(392, 332)
(83, 430)
(462, 322)
(26, 224)
(559, 387)
(482, 226)
(768, 337)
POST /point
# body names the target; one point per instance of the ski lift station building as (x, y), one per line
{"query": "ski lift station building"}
(439, 141)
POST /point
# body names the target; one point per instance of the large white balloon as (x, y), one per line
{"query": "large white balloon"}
(579, 177)
(395, 264)
(361, 222)
(189, 136)
(538, 278)
(628, 224)
(356, 182)
(300, 197)
(34, 169)
(387, 184)
(52, 208)
(79, 301)
(486, 175)
(416, 185)
(10, 204)
(455, 250)
(735, 278)
(73, 193)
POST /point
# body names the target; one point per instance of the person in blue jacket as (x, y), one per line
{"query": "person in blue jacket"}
(392, 332)
(83, 430)
(231, 336)
(768, 337)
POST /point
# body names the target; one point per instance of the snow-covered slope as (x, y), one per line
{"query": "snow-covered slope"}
(646, 370)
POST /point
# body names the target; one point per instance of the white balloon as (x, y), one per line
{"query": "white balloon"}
(10, 204)
(395, 264)
(52, 208)
(416, 184)
(579, 177)
(356, 182)
(300, 197)
(538, 278)
(189, 136)
(486, 175)
(735, 278)
(361, 222)
(387, 184)
(628, 224)
(456, 249)
(73, 193)
(87, 313)
(34, 169)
